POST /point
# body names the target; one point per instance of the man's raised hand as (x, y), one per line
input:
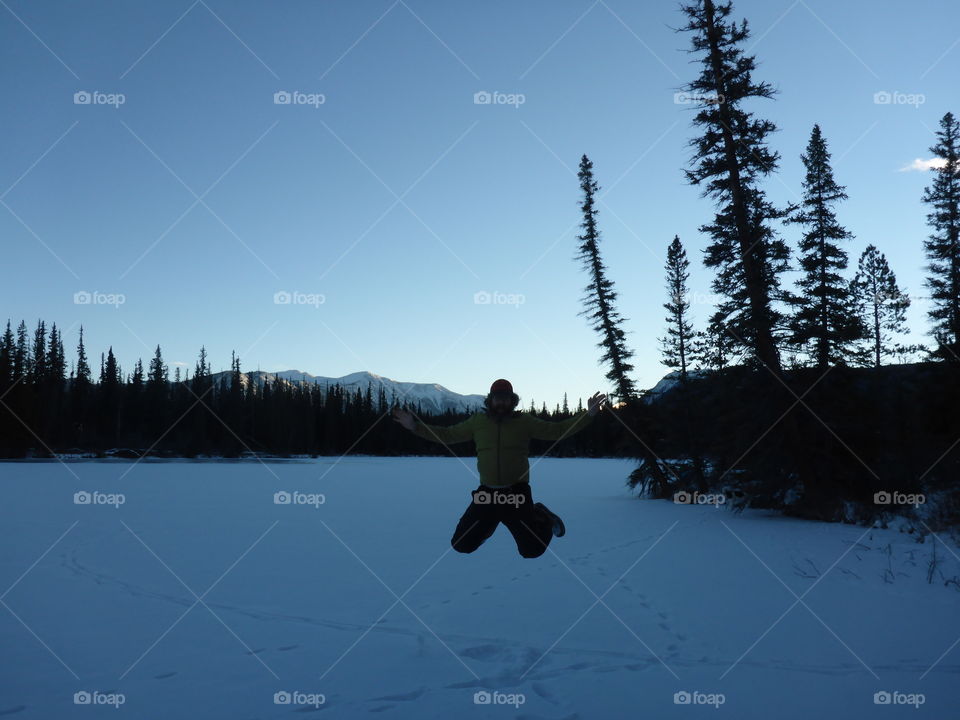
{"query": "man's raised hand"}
(595, 402)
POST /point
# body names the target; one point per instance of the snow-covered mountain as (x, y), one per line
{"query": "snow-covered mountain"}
(432, 396)
(667, 383)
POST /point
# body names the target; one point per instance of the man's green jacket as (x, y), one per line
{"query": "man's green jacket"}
(503, 447)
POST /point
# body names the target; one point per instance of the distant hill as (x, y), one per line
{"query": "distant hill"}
(432, 396)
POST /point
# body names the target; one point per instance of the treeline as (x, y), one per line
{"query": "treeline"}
(792, 407)
(47, 409)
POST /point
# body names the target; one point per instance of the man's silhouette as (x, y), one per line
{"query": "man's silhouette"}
(502, 436)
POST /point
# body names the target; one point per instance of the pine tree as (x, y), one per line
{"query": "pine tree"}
(136, 380)
(82, 379)
(600, 297)
(80, 392)
(109, 392)
(112, 374)
(201, 373)
(157, 374)
(943, 245)
(823, 324)
(730, 157)
(201, 388)
(22, 361)
(711, 348)
(879, 302)
(56, 359)
(7, 352)
(676, 344)
(39, 372)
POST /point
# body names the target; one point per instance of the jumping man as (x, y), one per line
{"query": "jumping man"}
(502, 436)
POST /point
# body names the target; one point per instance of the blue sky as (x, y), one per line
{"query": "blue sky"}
(386, 198)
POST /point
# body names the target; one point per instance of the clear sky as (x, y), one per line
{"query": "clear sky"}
(386, 192)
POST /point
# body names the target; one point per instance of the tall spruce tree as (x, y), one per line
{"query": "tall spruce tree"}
(82, 378)
(676, 344)
(80, 393)
(943, 245)
(601, 296)
(156, 395)
(7, 352)
(731, 156)
(879, 302)
(109, 394)
(823, 324)
(39, 372)
(56, 359)
(22, 361)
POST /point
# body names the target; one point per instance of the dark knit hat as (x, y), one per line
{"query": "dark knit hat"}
(501, 386)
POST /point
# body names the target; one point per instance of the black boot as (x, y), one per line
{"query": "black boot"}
(556, 522)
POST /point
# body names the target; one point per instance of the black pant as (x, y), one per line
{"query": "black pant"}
(511, 505)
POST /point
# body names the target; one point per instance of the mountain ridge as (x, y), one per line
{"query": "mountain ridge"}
(433, 395)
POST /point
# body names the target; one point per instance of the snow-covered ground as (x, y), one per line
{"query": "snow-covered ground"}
(200, 597)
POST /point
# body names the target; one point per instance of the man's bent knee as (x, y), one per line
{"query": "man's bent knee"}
(533, 552)
(463, 547)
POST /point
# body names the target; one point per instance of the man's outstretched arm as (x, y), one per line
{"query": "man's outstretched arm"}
(461, 432)
(546, 430)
